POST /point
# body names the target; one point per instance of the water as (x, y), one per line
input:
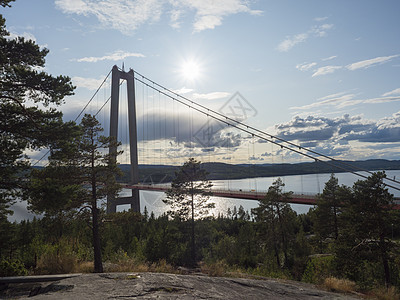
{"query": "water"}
(302, 184)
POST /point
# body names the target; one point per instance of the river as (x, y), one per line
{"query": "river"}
(303, 184)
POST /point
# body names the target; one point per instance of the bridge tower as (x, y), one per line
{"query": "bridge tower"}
(117, 75)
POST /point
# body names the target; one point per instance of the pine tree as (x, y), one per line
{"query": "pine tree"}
(23, 125)
(326, 214)
(188, 196)
(366, 217)
(277, 218)
(81, 174)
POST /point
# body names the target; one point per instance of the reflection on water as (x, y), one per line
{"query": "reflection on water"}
(302, 184)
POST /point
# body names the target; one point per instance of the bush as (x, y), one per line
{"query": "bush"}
(56, 259)
(318, 269)
(12, 267)
(215, 269)
(339, 285)
(383, 293)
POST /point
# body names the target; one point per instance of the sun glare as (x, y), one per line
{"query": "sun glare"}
(190, 70)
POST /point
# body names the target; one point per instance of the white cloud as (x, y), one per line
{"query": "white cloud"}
(175, 14)
(338, 100)
(370, 62)
(354, 66)
(88, 83)
(182, 91)
(382, 100)
(320, 19)
(127, 15)
(305, 66)
(331, 96)
(391, 93)
(123, 15)
(25, 35)
(210, 14)
(291, 41)
(346, 136)
(329, 58)
(117, 55)
(326, 70)
(211, 96)
(321, 30)
(341, 100)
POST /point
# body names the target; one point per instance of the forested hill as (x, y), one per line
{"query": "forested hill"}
(164, 173)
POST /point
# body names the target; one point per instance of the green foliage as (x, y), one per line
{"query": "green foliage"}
(327, 210)
(78, 176)
(57, 259)
(5, 3)
(188, 197)
(189, 193)
(13, 267)
(277, 222)
(23, 125)
(318, 268)
(278, 243)
(366, 219)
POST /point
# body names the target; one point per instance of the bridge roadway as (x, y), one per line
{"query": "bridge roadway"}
(308, 199)
(236, 194)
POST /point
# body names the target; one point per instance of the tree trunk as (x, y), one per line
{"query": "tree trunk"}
(98, 264)
(382, 246)
(282, 234)
(193, 237)
(278, 262)
(335, 222)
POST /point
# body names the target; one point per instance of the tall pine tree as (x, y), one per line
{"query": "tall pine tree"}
(79, 175)
(188, 197)
(23, 125)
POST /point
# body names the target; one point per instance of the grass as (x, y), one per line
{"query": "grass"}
(339, 285)
(383, 293)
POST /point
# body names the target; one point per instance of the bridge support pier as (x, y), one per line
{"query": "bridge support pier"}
(117, 75)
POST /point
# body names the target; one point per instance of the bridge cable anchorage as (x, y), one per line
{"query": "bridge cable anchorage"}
(261, 134)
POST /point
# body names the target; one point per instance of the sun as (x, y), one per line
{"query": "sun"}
(190, 70)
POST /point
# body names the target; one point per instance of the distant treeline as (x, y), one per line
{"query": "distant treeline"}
(165, 173)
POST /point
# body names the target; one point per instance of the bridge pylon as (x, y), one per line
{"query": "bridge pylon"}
(117, 75)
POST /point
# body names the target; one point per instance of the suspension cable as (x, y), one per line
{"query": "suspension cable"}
(267, 134)
(81, 112)
(259, 133)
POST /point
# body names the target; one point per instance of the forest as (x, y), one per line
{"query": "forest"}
(349, 241)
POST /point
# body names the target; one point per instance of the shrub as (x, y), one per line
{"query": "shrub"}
(215, 269)
(12, 267)
(85, 267)
(339, 285)
(56, 259)
(318, 269)
(383, 293)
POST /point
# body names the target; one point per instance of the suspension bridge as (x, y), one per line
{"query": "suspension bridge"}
(160, 126)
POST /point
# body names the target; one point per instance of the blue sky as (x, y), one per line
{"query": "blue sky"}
(323, 74)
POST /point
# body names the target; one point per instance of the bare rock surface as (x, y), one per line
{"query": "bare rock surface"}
(165, 286)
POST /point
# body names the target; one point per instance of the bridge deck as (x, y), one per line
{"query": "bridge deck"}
(308, 199)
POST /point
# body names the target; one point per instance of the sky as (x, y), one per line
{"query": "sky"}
(321, 74)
